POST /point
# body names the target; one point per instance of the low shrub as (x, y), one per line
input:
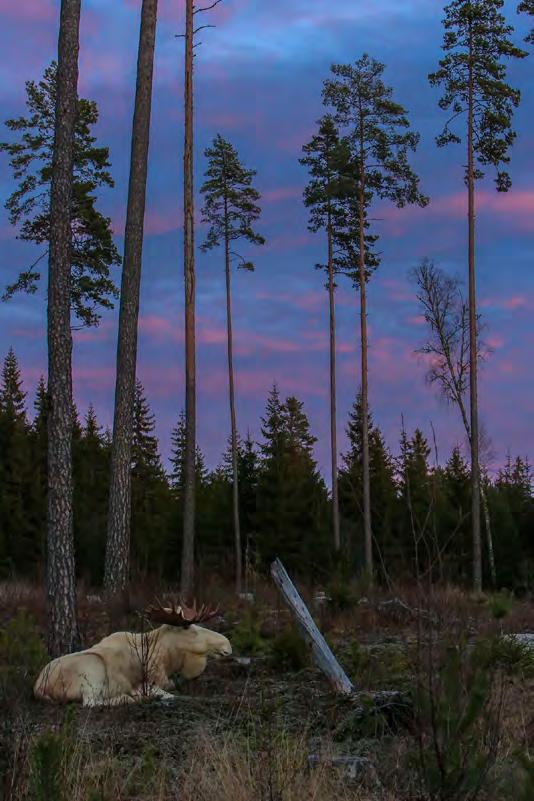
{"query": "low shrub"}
(289, 652)
(247, 637)
(22, 655)
(458, 718)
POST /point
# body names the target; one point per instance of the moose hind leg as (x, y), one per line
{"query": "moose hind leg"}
(100, 700)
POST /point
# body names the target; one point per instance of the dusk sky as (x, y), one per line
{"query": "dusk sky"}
(258, 82)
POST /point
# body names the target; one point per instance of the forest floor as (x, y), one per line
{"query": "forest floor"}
(265, 724)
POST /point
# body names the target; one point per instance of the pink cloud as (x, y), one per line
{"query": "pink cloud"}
(32, 332)
(416, 319)
(159, 327)
(226, 120)
(288, 242)
(495, 341)
(102, 333)
(29, 10)
(516, 207)
(516, 302)
(174, 10)
(254, 382)
(309, 301)
(157, 221)
(397, 290)
(512, 303)
(211, 335)
(282, 193)
(97, 378)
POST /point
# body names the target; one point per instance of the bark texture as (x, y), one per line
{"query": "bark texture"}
(61, 580)
(473, 342)
(333, 392)
(368, 534)
(188, 542)
(235, 472)
(119, 511)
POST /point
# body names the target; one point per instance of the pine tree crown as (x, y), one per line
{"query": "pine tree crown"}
(230, 201)
(93, 249)
(476, 41)
(378, 129)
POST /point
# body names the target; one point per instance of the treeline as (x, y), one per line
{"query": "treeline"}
(420, 511)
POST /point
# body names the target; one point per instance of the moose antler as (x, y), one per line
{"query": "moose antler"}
(178, 614)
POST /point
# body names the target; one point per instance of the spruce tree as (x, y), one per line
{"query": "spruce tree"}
(91, 472)
(178, 458)
(39, 449)
(93, 252)
(291, 495)
(512, 507)
(327, 158)
(230, 209)
(454, 516)
(15, 469)
(248, 483)
(383, 501)
(12, 396)
(473, 75)
(416, 499)
(528, 7)
(118, 541)
(381, 140)
(177, 482)
(150, 493)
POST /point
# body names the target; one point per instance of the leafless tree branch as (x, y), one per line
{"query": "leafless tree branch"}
(207, 8)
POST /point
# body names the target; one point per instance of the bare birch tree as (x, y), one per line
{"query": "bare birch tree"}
(447, 314)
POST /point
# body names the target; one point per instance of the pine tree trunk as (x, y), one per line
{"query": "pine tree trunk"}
(235, 475)
(333, 393)
(368, 534)
(119, 511)
(489, 536)
(61, 580)
(473, 344)
(188, 545)
(483, 499)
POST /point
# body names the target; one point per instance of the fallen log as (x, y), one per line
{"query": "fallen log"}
(321, 651)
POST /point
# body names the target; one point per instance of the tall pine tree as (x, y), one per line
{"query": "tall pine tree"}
(473, 75)
(230, 209)
(63, 632)
(327, 158)
(118, 541)
(381, 140)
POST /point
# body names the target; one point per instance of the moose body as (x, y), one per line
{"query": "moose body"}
(126, 667)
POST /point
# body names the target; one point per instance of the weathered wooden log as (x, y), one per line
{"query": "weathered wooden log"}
(352, 766)
(321, 651)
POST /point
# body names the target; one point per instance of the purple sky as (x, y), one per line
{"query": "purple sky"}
(258, 82)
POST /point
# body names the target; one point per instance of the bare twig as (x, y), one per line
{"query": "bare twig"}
(207, 8)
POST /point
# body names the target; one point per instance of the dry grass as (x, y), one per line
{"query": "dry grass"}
(217, 743)
(224, 768)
